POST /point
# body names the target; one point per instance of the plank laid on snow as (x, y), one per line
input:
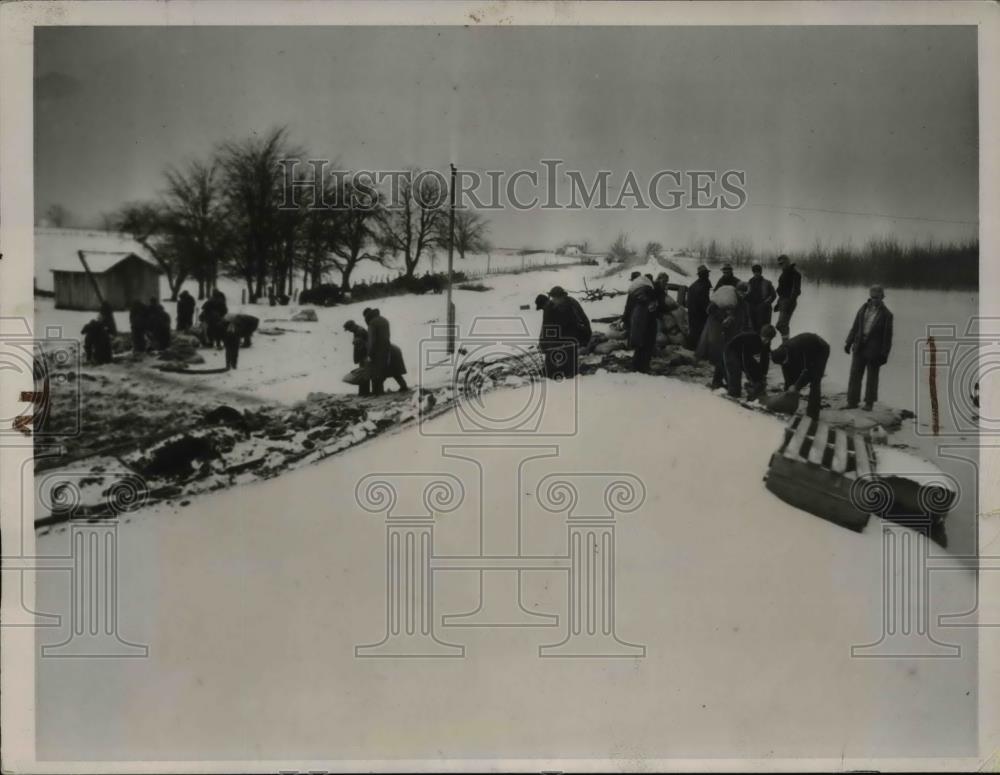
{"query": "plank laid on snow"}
(861, 461)
(819, 443)
(839, 452)
(792, 450)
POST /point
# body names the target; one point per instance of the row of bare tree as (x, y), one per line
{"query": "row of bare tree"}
(227, 216)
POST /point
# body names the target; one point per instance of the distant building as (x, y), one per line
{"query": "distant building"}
(82, 268)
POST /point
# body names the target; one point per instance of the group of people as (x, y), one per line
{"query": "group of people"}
(97, 334)
(150, 327)
(376, 357)
(732, 328)
(730, 325)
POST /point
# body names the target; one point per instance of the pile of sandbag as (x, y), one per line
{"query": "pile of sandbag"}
(673, 327)
(613, 340)
(183, 349)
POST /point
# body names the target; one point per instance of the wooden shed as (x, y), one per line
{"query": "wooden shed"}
(119, 278)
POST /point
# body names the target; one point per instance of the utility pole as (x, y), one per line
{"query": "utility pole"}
(451, 258)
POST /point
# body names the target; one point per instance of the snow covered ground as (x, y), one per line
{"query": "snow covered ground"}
(252, 601)
(313, 357)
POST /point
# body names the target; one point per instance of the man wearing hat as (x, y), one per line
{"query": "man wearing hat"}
(728, 278)
(697, 305)
(565, 331)
(868, 343)
(789, 288)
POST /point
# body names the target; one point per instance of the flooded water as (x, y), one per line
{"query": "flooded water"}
(904, 382)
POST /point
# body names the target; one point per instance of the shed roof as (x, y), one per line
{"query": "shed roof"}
(101, 261)
(59, 250)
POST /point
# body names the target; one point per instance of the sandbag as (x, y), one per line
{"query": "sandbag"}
(784, 403)
(724, 297)
(357, 376)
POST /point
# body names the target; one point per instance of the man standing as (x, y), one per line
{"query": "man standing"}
(640, 322)
(697, 305)
(565, 331)
(789, 288)
(379, 351)
(185, 311)
(138, 323)
(760, 297)
(728, 278)
(868, 344)
(803, 362)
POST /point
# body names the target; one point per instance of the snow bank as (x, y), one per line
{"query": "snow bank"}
(253, 599)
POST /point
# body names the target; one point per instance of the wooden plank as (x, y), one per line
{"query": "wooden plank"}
(861, 461)
(819, 443)
(840, 451)
(792, 450)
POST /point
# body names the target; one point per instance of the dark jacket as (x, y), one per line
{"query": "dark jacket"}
(698, 294)
(378, 346)
(640, 316)
(789, 283)
(745, 344)
(107, 317)
(761, 291)
(731, 280)
(360, 344)
(563, 319)
(878, 343)
(807, 357)
(185, 310)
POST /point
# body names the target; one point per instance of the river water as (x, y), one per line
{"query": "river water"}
(950, 317)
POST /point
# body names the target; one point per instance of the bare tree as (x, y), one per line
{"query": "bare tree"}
(411, 227)
(621, 250)
(145, 222)
(195, 221)
(471, 229)
(653, 250)
(253, 187)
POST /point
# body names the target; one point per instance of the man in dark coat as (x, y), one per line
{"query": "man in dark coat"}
(97, 342)
(245, 326)
(640, 322)
(789, 288)
(697, 299)
(744, 354)
(379, 351)
(107, 317)
(213, 313)
(868, 343)
(185, 311)
(565, 331)
(231, 342)
(803, 362)
(728, 278)
(760, 296)
(359, 352)
(159, 324)
(137, 319)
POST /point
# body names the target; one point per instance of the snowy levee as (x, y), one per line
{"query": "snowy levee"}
(253, 602)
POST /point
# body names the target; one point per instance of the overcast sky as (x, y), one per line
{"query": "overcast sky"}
(879, 121)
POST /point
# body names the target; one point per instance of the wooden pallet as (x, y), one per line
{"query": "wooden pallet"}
(815, 468)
